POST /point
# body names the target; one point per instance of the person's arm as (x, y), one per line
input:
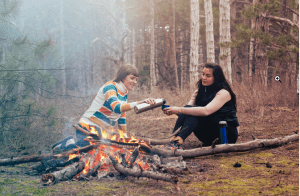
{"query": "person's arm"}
(219, 100)
(110, 94)
(122, 122)
(193, 98)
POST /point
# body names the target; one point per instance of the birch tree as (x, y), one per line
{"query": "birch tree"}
(209, 31)
(194, 55)
(152, 47)
(225, 50)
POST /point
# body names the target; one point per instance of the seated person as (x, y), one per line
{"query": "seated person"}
(212, 102)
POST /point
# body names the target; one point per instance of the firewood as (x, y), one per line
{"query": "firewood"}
(225, 148)
(36, 158)
(87, 133)
(52, 164)
(153, 141)
(133, 156)
(26, 159)
(91, 172)
(176, 132)
(65, 174)
(142, 173)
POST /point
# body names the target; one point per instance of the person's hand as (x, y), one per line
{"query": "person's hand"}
(172, 110)
(178, 140)
(150, 101)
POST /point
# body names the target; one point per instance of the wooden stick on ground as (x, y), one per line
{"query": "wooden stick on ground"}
(36, 158)
(142, 173)
(65, 174)
(225, 148)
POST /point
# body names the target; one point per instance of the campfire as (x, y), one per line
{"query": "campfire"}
(114, 154)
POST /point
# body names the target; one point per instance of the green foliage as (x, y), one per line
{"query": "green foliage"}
(282, 45)
(24, 86)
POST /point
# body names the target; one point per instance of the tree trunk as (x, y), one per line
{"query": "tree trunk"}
(209, 31)
(181, 61)
(194, 51)
(152, 48)
(252, 49)
(225, 50)
(62, 47)
(173, 41)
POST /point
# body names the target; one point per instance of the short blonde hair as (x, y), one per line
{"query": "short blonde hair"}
(124, 71)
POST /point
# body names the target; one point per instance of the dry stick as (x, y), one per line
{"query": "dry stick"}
(176, 132)
(159, 142)
(225, 148)
(90, 172)
(36, 158)
(65, 174)
(52, 164)
(133, 156)
(93, 135)
(142, 173)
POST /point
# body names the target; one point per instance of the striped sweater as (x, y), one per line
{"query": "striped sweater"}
(108, 107)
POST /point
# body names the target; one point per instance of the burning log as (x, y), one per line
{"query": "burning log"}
(52, 164)
(142, 173)
(133, 156)
(91, 172)
(35, 158)
(87, 133)
(224, 148)
(65, 174)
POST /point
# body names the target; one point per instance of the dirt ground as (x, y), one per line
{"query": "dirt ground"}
(211, 175)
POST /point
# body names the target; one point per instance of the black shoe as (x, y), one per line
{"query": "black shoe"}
(65, 144)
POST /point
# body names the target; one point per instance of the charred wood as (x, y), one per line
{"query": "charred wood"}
(52, 164)
(133, 156)
(142, 173)
(65, 174)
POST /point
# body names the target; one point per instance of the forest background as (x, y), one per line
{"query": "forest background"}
(55, 55)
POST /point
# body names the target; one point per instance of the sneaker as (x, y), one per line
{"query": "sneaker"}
(173, 145)
(65, 144)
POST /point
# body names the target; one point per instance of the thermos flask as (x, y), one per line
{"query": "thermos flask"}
(223, 132)
(146, 106)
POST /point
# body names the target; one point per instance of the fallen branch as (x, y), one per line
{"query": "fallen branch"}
(225, 148)
(142, 173)
(35, 158)
(65, 174)
(52, 164)
(150, 141)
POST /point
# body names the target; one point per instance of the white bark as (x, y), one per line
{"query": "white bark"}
(225, 51)
(181, 61)
(174, 46)
(152, 49)
(194, 54)
(209, 31)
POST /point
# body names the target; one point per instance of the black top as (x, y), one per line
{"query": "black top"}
(227, 112)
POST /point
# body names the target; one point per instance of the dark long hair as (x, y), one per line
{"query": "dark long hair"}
(219, 80)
